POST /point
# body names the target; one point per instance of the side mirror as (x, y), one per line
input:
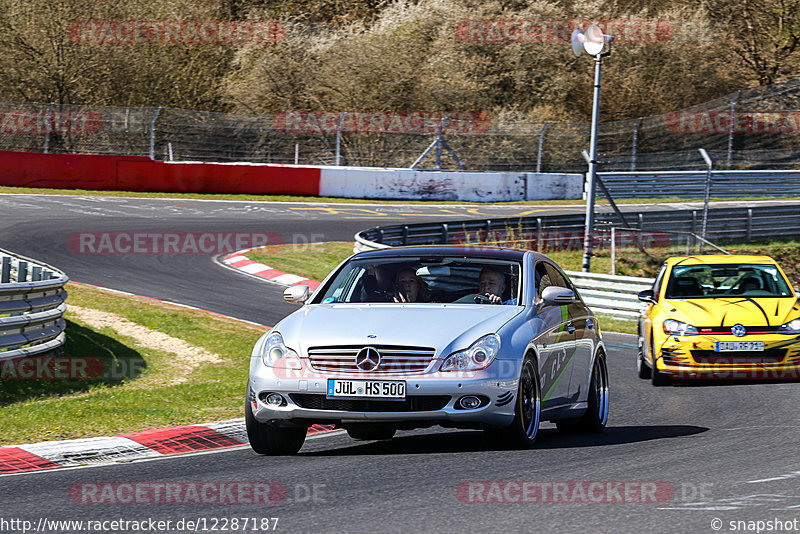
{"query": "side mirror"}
(557, 296)
(296, 294)
(647, 296)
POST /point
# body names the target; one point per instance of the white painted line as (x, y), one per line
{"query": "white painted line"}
(103, 450)
(253, 268)
(289, 279)
(234, 259)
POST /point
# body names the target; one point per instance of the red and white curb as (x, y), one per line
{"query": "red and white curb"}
(128, 447)
(241, 263)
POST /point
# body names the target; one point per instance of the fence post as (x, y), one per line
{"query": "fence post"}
(339, 139)
(541, 143)
(613, 250)
(47, 127)
(5, 273)
(730, 130)
(635, 141)
(22, 271)
(153, 134)
(749, 223)
(538, 233)
(707, 194)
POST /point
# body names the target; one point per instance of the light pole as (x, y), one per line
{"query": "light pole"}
(597, 45)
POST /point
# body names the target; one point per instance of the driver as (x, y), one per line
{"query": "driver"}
(492, 283)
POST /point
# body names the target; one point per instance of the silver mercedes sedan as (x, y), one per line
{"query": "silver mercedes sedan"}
(402, 338)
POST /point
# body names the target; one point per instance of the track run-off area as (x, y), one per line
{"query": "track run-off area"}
(705, 457)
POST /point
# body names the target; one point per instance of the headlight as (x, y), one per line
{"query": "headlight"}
(276, 354)
(479, 355)
(677, 328)
(792, 327)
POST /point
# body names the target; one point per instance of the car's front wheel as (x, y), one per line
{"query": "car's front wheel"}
(523, 430)
(270, 439)
(657, 378)
(641, 365)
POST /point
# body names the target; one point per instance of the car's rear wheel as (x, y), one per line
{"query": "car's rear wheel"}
(596, 416)
(370, 432)
(522, 432)
(270, 439)
(657, 377)
(641, 365)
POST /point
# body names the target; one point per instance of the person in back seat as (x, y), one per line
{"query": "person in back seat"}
(409, 287)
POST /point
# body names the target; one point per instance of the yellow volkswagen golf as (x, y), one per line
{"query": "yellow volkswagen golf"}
(717, 316)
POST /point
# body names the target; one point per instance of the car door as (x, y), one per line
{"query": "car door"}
(646, 319)
(556, 345)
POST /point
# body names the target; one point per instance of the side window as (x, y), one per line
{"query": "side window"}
(556, 278)
(659, 281)
(542, 279)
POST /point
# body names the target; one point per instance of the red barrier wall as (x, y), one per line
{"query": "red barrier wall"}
(138, 173)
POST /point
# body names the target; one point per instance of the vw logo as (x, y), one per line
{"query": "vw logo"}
(368, 359)
(738, 330)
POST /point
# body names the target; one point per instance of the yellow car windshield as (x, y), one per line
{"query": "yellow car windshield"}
(740, 280)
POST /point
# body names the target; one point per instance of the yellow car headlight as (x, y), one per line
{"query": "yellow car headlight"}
(673, 327)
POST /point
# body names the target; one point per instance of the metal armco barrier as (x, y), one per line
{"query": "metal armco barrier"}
(609, 294)
(615, 295)
(691, 184)
(565, 232)
(32, 305)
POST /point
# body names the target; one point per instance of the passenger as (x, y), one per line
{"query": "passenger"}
(492, 283)
(409, 287)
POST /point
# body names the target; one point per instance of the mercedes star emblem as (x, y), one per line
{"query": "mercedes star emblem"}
(368, 359)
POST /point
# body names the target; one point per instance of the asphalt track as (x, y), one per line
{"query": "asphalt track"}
(725, 452)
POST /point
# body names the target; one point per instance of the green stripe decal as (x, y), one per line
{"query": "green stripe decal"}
(558, 378)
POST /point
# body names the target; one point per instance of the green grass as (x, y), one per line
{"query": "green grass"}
(139, 395)
(314, 260)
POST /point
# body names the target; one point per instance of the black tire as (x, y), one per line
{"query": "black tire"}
(596, 415)
(522, 432)
(657, 378)
(272, 440)
(370, 432)
(641, 365)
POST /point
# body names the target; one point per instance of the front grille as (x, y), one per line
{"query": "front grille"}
(739, 358)
(416, 403)
(727, 329)
(396, 359)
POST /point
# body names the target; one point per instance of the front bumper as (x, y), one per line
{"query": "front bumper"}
(687, 357)
(430, 398)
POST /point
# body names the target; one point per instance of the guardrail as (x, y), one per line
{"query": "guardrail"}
(32, 305)
(691, 184)
(610, 294)
(565, 232)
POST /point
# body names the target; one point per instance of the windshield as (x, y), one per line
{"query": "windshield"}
(710, 281)
(420, 279)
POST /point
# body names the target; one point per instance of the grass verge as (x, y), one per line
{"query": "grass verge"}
(138, 392)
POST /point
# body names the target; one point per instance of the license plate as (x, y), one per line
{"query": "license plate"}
(380, 389)
(737, 346)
